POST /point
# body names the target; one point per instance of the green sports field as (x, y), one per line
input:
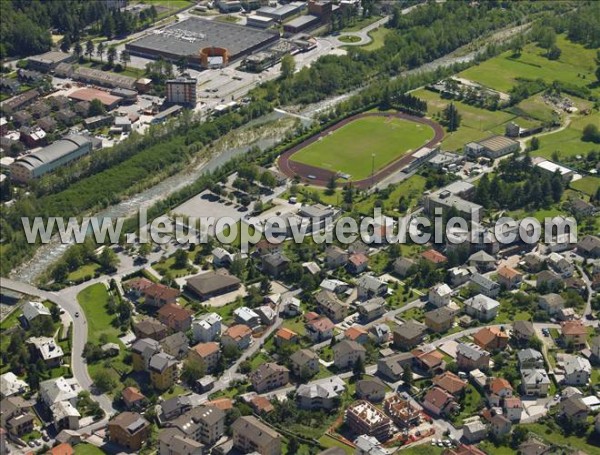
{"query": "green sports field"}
(349, 149)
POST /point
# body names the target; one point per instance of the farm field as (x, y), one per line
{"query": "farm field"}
(349, 149)
(575, 66)
(568, 141)
(587, 185)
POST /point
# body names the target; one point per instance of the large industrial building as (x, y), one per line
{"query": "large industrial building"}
(49, 158)
(493, 147)
(205, 43)
(182, 91)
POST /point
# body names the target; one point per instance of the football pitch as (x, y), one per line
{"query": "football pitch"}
(365, 144)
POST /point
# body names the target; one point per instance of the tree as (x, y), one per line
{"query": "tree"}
(60, 272)
(144, 249)
(451, 117)
(288, 66)
(65, 44)
(192, 371)
(554, 52)
(293, 445)
(103, 381)
(265, 286)
(111, 55)
(181, 259)
(407, 375)
(359, 367)
(182, 64)
(331, 185)
(125, 57)
(100, 50)
(591, 133)
(78, 50)
(96, 108)
(89, 49)
(267, 179)
(108, 259)
(517, 46)
(108, 26)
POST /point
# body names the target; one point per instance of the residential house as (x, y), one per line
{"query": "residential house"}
(134, 399)
(484, 285)
(10, 385)
(174, 407)
(482, 307)
(176, 317)
(246, 316)
(469, 357)
(450, 382)
(47, 350)
(34, 310)
(509, 277)
(269, 376)
(369, 286)
(346, 353)
(439, 402)
(530, 358)
(63, 448)
(329, 305)
(439, 320)
(548, 279)
(371, 309)
(65, 416)
(129, 429)
(15, 416)
(206, 354)
(357, 263)
(335, 257)
(474, 430)
(523, 331)
(275, 264)
(533, 262)
(142, 351)
(172, 441)
(380, 333)
(150, 328)
(206, 327)
(213, 283)
(429, 361)
(497, 390)
(574, 409)
(409, 334)
(491, 338)
(561, 265)
(574, 332)
(513, 408)
(577, 370)
(239, 335)
(535, 382)
(264, 247)
(135, 287)
(581, 207)
(551, 303)
(285, 337)
(267, 314)
(464, 449)
(59, 389)
(322, 394)
(371, 389)
(261, 405)
(176, 345)
(357, 333)
(251, 435)
(304, 363)
(290, 306)
(589, 246)
(365, 419)
(158, 295)
(439, 295)
(435, 257)
(392, 367)
(483, 261)
(163, 370)
(221, 257)
(320, 329)
(595, 349)
(334, 285)
(499, 425)
(403, 266)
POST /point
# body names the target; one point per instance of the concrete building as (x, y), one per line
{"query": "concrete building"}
(493, 147)
(206, 327)
(269, 376)
(346, 353)
(129, 429)
(364, 418)
(182, 91)
(469, 357)
(206, 354)
(49, 158)
(322, 394)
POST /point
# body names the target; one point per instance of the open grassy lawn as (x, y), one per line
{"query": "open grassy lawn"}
(575, 65)
(588, 185)
(349, 39)
(534, 107)
(349, 149)
(568, 141)
(378, 36)
(169, 266)
(87, 449)
(476, 123)
(361, 23)
(329, 442)
(171, 4)
(83, 271)
(93, 300)
(560, 439)
(423, 449)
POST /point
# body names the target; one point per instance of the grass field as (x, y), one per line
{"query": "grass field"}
(349, 149)
(87, 449)
(587, 185)
(575, 65)
(476, 123)
(93, 300)
(378, 37)
(568, 141)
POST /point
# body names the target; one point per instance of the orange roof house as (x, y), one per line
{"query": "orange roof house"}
(62, 449)
(491, 338)
(449, 382)
(434, 256)
(357, 334)
(285, 335)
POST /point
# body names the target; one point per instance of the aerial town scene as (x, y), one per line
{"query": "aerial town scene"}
(314, 227)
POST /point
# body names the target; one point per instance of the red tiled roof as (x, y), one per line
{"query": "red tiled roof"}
(573, 328)
(62, 449)
(132, 394)
(354, 332)
(487, 335)
(206, 349)
(160, 291)
(286, 334)
(174, 312)
(496, 385)
(434, 256)
(508, 272)
(238, 331)
(322, 324)
(358, 259)
(449, 382)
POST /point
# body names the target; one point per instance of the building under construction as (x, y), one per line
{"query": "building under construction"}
(401, 411)
(364, 418)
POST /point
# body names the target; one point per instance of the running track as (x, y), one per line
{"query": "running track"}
(322, 176)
